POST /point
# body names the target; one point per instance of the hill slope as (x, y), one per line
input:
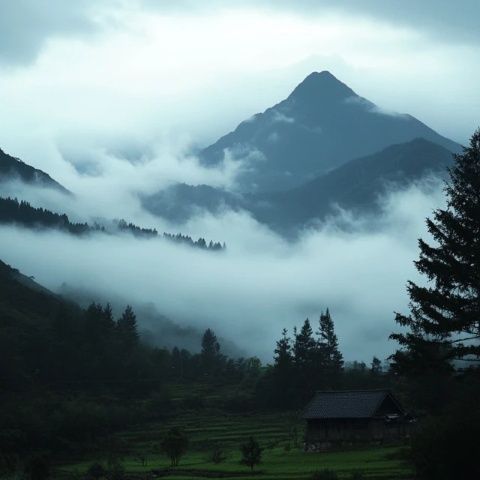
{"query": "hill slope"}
(12, 168)
(355, 185)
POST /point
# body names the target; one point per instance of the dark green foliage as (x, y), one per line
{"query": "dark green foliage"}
(96, 471)
(38, 468)
(306, 358)
(447, 446)
(440, 351)
(304, 347)
(175, 444)
(251, 453)
(443, 327)
(127, 328)
(283, 372)
(325, 475)
(328, 341)
(303, 366)
(210, 345)
(210, 354)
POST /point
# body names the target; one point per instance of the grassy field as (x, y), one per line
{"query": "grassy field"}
(280, 435)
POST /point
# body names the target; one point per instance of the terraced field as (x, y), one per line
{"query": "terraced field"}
(280, 435)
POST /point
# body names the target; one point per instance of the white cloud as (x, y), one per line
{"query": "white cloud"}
(151, 76)
(260, 284)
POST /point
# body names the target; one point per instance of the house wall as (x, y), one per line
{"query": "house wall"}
(325, 434)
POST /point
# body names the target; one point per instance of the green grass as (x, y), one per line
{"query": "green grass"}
(283, 457)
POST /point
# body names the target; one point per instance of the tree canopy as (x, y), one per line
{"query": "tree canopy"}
(443, 327)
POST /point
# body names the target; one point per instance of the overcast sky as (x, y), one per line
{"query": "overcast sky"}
(123, 75)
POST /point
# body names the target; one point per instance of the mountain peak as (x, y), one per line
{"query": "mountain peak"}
(322, 85)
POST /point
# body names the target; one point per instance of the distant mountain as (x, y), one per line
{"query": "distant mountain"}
(320, 126)
(180, 201)
(355, 186)
(12, 168)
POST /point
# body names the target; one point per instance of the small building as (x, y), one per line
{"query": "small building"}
(343, 418)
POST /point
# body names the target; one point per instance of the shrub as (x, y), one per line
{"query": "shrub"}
(175, 444)
(218, 455)
(251, 453)
(447, 447)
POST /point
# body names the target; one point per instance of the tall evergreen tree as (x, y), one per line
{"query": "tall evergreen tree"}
(210, 351)
(283, 353)
(127, 327)
(304, 346)
(444, 321)
(329, 344)
(305, 352)
(283, 371)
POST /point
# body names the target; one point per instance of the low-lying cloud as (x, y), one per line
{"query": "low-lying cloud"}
(261, 283)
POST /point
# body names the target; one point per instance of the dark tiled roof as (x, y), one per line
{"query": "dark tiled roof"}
(346, 404)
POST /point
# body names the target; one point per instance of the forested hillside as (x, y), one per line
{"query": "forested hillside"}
(22, 213)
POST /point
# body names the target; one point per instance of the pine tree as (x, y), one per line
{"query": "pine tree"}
(305, 356)
(283, 353)
(329, 344)
(127, 327)
(304, 346)
(444, 321)
(108, 323)
(210, 351)
(283, 371)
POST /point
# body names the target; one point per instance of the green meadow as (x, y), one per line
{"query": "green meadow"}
(280, 435)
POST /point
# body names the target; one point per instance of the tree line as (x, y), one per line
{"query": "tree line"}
(13, 211)
(311, 360)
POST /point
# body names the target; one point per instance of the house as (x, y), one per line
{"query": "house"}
(342, 418)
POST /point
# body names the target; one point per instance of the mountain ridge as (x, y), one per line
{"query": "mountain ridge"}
(355, 186)
(12, 168)
(322, 124)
